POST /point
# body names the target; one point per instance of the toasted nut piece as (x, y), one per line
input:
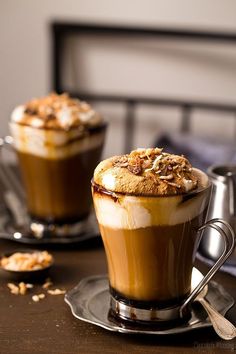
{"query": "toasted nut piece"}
(167, 177)
(14, 288)
(47, 283)
(41, 296)
(29, 286)
(56, 292)
(35, 298)
(22, 288)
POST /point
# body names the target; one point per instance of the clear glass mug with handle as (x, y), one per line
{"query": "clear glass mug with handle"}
(150, 267)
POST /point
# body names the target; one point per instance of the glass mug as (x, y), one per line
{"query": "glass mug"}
(150, 266)
(57, 186)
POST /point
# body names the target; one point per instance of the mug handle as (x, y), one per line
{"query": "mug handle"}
(13, 194)
(221, 226)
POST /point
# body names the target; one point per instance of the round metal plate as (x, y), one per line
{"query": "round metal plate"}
(90, 302)
(10, 231)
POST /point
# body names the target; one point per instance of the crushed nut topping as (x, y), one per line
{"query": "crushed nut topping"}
(38, 297)
(47, 283)
(20, 289)
(13, 288)
(170, 169)
(56, 111)
(35, 298)
(56, 292)
(24, 261)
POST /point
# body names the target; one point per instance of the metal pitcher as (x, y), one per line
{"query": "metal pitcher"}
(222, 205)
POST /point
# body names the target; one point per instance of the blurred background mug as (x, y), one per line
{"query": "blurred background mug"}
(56, 167)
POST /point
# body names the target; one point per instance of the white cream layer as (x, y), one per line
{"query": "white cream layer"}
(130, 212)
(52, 144)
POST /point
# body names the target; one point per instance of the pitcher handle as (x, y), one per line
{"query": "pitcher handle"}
(229, 244)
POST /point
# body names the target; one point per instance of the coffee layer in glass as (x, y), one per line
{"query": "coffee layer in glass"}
(150, 244)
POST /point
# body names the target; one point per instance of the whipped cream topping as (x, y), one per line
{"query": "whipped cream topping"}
(147, 172)
(131, 212)
(148, 187)
(55, 127)
(56, 112)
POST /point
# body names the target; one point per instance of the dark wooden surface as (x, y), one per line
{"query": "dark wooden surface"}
(49, 327)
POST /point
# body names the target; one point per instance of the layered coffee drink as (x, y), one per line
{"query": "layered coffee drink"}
(59, 142)
(149, 205)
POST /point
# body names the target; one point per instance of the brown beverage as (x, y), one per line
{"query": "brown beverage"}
(149, 205)
(58, 141)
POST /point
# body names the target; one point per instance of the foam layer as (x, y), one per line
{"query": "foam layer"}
(53, 144)
(148, 172)
(55, 127)
(130, 212)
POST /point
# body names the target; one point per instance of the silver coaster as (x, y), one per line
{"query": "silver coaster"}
(9, 230)
(90, 302)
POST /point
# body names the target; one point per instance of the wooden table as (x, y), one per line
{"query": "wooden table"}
(49, 327)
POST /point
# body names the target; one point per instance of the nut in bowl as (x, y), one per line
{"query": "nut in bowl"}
(25, 264)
